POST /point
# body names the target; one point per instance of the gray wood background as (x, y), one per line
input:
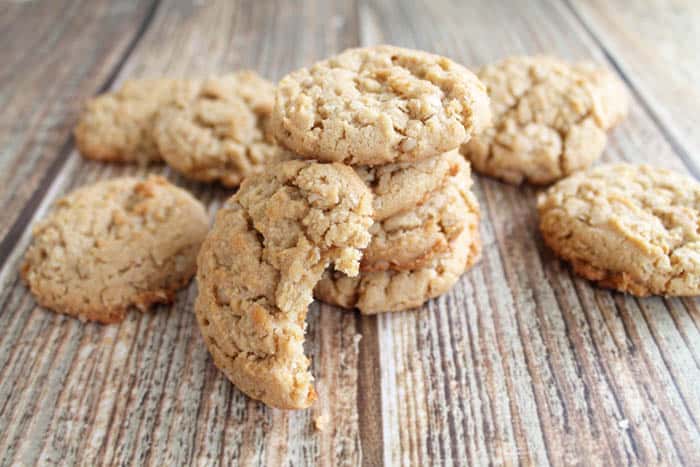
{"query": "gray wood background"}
(522, 363)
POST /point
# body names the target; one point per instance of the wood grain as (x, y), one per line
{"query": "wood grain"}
(146, 391)
(527, 380)
(54, 63)
(521, 362)
(649, 43)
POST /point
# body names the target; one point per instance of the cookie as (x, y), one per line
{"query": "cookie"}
(118, 126)
(223, 133)
(627, 227)
(379, 105)
(410, 239)
(402, 186)
(383, 291)
(259, 264)
(550, 118)
(115, 244)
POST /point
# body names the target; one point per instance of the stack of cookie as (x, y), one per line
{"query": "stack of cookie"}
(397, 116)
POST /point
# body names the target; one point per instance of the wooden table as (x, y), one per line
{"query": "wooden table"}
(521, 363)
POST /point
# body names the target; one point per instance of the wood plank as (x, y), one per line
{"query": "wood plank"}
(56, 60)
(651, 43)
(146, 391)
(521, 363)
(519, 357)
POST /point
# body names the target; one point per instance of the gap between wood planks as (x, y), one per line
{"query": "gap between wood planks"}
(21, 223)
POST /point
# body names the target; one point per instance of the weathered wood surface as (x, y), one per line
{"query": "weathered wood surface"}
(521, 363)
(55, 54)
(650, 42)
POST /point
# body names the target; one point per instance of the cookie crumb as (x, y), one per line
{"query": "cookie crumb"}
(321, 422)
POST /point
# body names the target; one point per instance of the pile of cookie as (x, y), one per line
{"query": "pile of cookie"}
(398, 118)
(355, 188)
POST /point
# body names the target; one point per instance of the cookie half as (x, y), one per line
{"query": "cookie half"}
(627, 227)
(118, 126)
(115, 244)
(379, 105)
(550, 118)
(384, 291)
(223, 133)
(410, 239)
(259, 264)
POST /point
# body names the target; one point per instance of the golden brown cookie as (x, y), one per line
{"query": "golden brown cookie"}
(118, 126)
(627, 227)
(259, 264)
(383, 291)
(223, 133)
(550, 118)
(115, 244)
(410, 239)
(379, 105)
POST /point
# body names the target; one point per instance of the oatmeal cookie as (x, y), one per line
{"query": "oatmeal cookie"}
(223, 133)
(383, 291)
(118, 126)
(259, 264)
(627, 227)
(550, 118)
(412, 238)
(379, 105)
(403, 186)
(115, 244)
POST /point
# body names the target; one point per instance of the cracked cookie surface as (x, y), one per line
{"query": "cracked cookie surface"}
(223, 133)
(550, 118)
(118, 126)
(115, 244)
(384, 291)
(410, 239)
(268, 248)
(403, 186)
(379, 105)
(631, 228)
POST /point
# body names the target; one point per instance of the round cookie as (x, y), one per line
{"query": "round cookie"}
(631, 228)
(409, 240)
(259, 264)
(550, 118)
(118, 126)
(403, 186)
(115, 244)
(223, 133)
(377, 292)
(379, 105)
